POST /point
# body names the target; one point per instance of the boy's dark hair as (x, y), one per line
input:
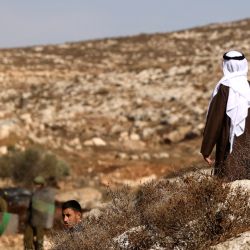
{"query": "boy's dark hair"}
(73, 204)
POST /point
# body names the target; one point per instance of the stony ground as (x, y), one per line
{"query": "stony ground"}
(120, 110)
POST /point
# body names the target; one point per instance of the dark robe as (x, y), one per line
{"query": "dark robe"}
(234, 165)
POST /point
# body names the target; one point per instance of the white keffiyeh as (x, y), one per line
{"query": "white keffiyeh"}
(235, 77)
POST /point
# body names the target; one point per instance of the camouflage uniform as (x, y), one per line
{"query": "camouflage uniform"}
(33, 238)
(41, 216)
(3, 210)
(3, 205)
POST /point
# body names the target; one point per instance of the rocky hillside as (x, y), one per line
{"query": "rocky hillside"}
(117, 109)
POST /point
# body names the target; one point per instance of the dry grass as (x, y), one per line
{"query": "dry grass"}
(187, 213)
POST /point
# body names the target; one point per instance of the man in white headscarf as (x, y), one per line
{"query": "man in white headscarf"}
(228, 121)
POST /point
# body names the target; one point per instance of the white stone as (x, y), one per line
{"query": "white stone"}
(6, 128)
(241, 242)
(95, 142)
(134, 137)
(161, 155)
(3, 150)
(26, 118)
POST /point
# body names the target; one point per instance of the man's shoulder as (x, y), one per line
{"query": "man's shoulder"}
(223, 91)
(223, 87)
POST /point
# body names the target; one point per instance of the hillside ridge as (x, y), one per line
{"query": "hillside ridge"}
(119, 108)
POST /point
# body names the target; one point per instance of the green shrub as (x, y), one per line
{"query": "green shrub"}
(23, 166)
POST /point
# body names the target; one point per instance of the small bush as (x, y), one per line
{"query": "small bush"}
(189, 213)
(23, 166)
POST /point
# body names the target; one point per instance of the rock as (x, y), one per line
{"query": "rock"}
(95, 142)
(124, 136)
(145, 156)
(162, 155)
(122, 155)
(116, 129)
(244, 184)
(36, 139)
(3, 150)
(134, 157)
(123, 240)
(115, 179)
(47, 115)
(147, 133)
(175, 70)
(6, 127)
(75, 142)
(177, 135)
(134, 137)
(26, 118)
(134, 145)
(242, 242)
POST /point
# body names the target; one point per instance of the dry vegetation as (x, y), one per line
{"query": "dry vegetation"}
(193, 212)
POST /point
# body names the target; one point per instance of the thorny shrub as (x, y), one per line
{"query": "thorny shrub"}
(192, 212)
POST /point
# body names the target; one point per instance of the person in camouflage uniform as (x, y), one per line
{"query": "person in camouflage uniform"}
(41, 215)
(3, 210)
(3, 205)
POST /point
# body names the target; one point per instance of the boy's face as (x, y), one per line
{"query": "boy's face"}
(70, 217)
